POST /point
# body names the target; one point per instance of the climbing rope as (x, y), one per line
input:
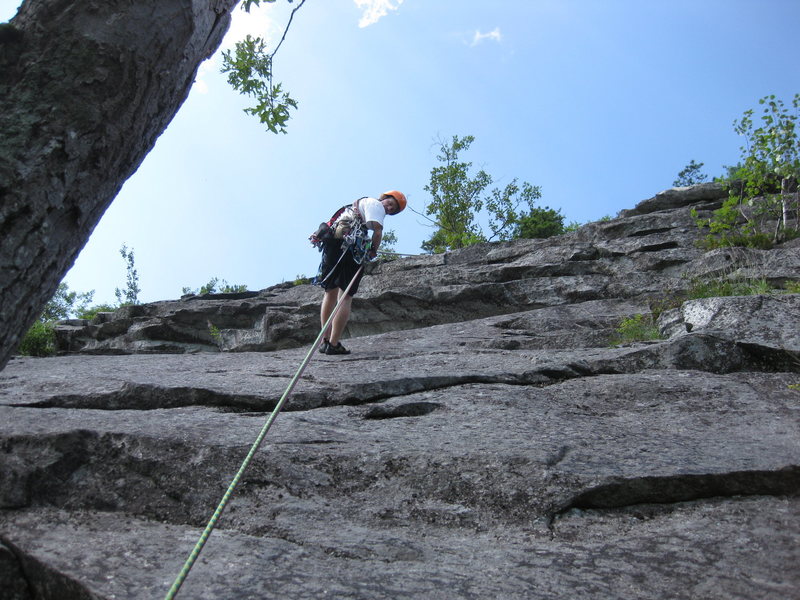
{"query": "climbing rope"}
(262, 434)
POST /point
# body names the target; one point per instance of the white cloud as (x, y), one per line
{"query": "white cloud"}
(493, 35)
(374, 10)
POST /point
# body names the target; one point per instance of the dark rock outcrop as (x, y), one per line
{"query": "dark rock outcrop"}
(483, 439)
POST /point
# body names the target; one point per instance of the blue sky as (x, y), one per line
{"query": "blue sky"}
(599, 102)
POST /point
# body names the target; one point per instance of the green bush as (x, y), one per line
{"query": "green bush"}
(91, 313)
(39, 340)
(301, 280)
(216, 286)
(540, 223)
(759, 241)
(715, 288)
(637, 328)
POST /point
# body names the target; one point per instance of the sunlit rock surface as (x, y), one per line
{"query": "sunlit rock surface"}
(483, 440)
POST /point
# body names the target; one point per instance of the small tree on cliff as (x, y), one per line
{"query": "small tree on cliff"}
(763, 188)
(690, 175)
(540, 222)
(130, 294)
(458, 199)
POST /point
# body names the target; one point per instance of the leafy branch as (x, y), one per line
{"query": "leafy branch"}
(130, 295)
(250, 72)
(763, 188)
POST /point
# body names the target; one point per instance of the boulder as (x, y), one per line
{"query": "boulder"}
(679, 197)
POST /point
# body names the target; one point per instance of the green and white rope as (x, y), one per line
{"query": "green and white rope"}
(253, 449)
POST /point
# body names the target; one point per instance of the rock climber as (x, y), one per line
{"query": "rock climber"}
(344, 244)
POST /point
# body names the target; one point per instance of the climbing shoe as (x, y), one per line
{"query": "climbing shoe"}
(337, 349)
(323, 347)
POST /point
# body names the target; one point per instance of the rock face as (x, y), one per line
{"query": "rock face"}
(483, 439)
(647, 255)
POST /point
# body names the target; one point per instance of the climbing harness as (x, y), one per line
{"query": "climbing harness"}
(359, 259)
(338, 225)
(351, 229)
(262, 434)
(346, 225)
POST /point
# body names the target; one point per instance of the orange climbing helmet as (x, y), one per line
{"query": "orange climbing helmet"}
(399, 196)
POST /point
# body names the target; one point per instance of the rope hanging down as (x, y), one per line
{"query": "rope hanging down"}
(221, 507)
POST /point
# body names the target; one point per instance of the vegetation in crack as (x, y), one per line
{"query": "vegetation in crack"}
(642, 327)
(637, 328)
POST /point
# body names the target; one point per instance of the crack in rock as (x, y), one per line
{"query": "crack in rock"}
(409, 409)
(673, 489)
(16, 585)
(137, 396)
(25, 577)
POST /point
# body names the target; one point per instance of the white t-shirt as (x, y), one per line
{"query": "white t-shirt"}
(371, 209)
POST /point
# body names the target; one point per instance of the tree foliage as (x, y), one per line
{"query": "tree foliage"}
(772, 151)
(250, 72)
(388, 240)
(130, 295)
(690, 175)
(763, 187)
(40, 339)
(65, 304)
(216, 285)
(540, 223)
(458, 199)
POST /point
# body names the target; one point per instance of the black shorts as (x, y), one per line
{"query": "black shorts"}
(336, 273)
